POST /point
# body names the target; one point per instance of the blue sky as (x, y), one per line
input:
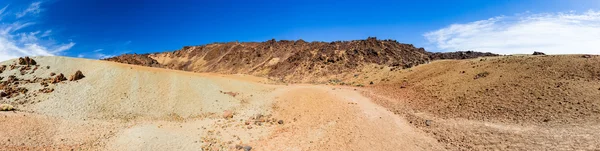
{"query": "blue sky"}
(96, 29)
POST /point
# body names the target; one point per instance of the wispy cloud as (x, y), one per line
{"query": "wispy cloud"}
(553, 33)
(95, 54)
(18, 39)
(103, 56)
(34, 8)
(2, 12)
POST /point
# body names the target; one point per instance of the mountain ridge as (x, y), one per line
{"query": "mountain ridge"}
(292, 60)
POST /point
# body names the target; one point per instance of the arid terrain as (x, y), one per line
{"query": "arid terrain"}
(295, 95)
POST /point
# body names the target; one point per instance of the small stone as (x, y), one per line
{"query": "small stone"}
(257, 117)
(227, 114)
(58, 78)
(78, 75)
(428, 122)
(238, 147)
(280, 122)
(247, 148)
(6, 107)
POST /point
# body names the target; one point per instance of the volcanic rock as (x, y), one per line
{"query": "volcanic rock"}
(2, 68)
(538, 53)
(27, 61)
(59, 78)
(460, 55)
(46, 90)
(78, 75)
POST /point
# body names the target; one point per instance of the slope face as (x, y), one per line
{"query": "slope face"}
(504, 103)
(517, 89)
(296, 61)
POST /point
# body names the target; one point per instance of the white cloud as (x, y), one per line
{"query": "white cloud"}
(17, 41)
(2, 11)
(554, 33)
(95, 54)
(34, 8)
(103, 56)
(46, 33)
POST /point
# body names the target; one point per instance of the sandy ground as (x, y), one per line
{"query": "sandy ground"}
(124, 107)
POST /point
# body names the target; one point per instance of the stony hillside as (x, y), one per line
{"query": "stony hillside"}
(296, 61)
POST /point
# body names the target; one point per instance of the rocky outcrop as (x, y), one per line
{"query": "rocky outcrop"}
(27, 61)
(538, 53)
(135, 59)
(460, 55)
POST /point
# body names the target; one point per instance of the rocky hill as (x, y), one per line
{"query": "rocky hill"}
(287, 60)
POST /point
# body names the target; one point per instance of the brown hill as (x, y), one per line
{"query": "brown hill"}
(296, 61)
(549, 101)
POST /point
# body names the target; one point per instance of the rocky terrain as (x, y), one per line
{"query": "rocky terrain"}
(293, 61)
(21, 82)
(353, 95)
(126, 107)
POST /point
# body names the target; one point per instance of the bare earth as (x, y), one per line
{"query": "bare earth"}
(125, 107)
(498, 103)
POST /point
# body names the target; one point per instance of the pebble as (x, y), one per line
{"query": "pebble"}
(247, 148)
(227, 114)
(238, 147)
(280, 122)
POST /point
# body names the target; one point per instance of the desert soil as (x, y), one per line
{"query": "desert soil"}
(126, 107)
(497, 103)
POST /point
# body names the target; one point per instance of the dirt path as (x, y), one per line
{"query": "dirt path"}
(326, 118)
